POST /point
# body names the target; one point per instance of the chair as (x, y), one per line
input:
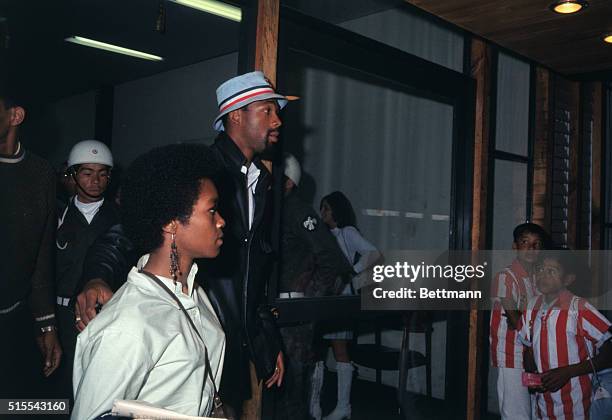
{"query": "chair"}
(379, 357)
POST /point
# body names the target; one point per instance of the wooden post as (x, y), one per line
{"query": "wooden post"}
(266, 52)
(266, 40)
(481, 72)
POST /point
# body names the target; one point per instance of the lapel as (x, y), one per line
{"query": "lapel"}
(235, 160)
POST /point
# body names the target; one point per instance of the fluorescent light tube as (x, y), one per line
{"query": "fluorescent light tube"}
(215, 7)
(112, 48)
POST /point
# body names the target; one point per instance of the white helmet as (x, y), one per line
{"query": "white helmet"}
(292, 169)
(90, 151)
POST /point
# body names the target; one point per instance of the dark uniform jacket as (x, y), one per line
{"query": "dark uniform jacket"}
(109, 258)
(74, 238)
(311, 261)
(235, 281)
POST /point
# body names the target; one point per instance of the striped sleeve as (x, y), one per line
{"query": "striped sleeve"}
(593, 325)
(523, 333)
(503, 286)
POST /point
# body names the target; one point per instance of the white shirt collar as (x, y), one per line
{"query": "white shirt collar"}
(176, 288)
(252, 172)
(88, 210)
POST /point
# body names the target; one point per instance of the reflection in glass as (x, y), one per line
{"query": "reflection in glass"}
(509, 201)
(512, 121)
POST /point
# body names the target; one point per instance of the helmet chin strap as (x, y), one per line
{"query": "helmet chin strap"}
(93, 197)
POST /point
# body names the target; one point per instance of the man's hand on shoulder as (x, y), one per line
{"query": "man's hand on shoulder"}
(96, 292)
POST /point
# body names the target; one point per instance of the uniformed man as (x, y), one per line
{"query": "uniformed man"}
(312, 265)
(87, 216)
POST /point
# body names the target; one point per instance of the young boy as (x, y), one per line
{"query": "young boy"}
(562, 332)
(512, 289)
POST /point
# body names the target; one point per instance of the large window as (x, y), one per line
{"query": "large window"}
(391, 135)
(511, 165)
(512, 153)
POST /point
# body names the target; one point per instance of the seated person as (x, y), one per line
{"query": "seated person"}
(158, 339)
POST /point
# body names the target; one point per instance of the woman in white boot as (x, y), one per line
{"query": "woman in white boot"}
(338, 214)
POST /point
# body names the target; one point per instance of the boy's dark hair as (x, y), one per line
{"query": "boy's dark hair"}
(342, 210)
(531, 228)
(160, 186)
(564, 256)
(575, 263)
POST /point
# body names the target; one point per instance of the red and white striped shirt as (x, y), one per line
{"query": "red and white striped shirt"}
(564, 333)
(512, 282)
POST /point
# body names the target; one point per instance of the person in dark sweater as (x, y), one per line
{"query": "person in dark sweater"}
(27, 312)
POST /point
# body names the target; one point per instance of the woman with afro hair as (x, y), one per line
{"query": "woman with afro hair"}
(158, 339)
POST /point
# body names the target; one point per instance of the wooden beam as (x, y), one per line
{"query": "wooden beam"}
(481, 72)
(266, 40)
(266, 53)
(542, 151)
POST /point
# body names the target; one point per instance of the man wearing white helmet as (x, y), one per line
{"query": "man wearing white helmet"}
(311, 261)
(87, 216)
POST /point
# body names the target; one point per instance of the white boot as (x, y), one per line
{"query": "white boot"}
(316, 383)
(345, 379)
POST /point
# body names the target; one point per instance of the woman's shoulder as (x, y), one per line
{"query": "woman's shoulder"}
(350, 230)
(132, 310)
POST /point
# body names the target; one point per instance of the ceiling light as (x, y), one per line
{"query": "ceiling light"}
(112, 48)
(608, 38)
(566, 7)
(215, 7)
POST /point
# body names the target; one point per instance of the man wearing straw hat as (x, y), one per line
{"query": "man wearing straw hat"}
(248, 123)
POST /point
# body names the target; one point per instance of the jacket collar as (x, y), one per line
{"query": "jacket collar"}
(233, 154)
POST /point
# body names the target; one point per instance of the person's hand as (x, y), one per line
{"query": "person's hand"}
(554, 379)
(95, 292)
(49, 346)
(529, 363)
(279, 372)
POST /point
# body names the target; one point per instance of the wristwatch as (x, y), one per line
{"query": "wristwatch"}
(48, 328)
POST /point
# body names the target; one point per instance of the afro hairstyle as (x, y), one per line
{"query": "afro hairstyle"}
(160, 186)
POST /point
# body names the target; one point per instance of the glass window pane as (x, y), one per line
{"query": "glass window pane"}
(512, 116)
(388, 151)
(510, 201)
(393, 23)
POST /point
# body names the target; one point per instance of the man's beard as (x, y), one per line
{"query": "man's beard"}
(269, 152)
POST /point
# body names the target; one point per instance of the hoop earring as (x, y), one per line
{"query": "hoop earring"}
(175, 269)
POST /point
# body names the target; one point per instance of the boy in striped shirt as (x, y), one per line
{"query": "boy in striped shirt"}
(561, 333)
(512, 289)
